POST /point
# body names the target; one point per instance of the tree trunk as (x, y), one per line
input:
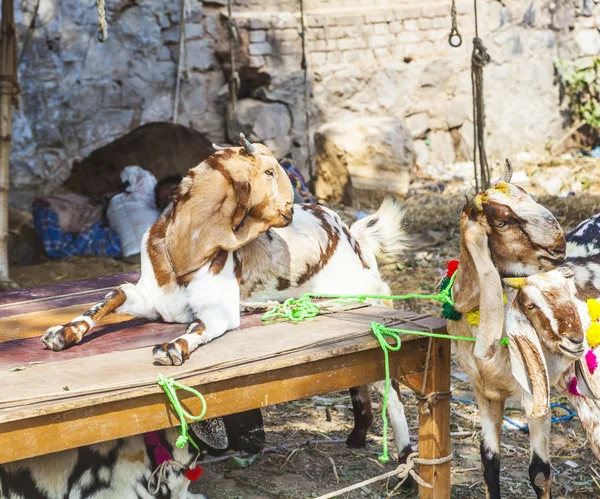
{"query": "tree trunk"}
(8, 89)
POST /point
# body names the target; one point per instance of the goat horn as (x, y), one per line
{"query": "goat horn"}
(219, 148)
(508, 171)
(515, 282)
(250, 149)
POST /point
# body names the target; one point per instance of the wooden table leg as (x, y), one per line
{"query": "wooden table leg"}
(434, 430)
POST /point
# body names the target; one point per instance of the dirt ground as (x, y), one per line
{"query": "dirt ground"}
(303, 470)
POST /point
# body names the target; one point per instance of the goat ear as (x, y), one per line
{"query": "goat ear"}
(242, 196)
(528, 364)
(491, 306)
(587, 385)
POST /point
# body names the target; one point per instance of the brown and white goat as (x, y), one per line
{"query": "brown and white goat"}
(504, 233)
(228, 235)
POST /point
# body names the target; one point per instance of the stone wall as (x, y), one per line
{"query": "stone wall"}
(377, 59)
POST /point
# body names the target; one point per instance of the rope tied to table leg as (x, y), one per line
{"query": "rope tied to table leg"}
(432, 399)
(403, 471)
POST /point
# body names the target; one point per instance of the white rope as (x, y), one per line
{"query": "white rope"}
(160, 473)
(403, 471)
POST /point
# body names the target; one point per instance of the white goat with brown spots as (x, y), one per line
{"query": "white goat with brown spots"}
(230, 235)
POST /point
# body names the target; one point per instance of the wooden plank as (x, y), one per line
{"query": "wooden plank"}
(101, 374)
(87, 425)
(434, 429)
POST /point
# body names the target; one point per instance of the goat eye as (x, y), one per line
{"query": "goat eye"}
(530, 306)
(500, 224)
(270, 173)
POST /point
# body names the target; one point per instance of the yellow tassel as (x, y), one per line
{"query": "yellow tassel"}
(473, 318)
(593, 309)
(593, 335)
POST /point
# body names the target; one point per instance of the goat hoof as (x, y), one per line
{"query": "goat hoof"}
(176, 354)
(409, 483)
(160, 354)
(357, 439)
(55, 338)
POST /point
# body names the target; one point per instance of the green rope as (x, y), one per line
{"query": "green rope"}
(169, 385)
(380, 333)
(297, 310)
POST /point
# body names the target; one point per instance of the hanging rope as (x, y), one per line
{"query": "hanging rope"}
(181, 61)
(304, 65)
(102, 25)
(169, 385)
(479, 59)
(234, 77)
(454, 38)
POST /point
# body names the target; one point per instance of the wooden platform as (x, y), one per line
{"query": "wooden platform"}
(105, 387)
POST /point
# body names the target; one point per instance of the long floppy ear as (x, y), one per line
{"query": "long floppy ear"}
(528, 364)
(483, 270)
(242, 196)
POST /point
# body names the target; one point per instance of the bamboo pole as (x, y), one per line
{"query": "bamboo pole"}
(8, 88)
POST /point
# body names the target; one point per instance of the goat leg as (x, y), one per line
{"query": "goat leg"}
(60, 337)
(539, 465)
(198, 333)
(491, 412)
(363, 416)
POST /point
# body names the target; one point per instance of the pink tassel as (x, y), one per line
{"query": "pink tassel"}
(152, 438)
(161, 454)
(591, 360)
(573, 388)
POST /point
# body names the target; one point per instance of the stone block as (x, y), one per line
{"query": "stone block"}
(424, 23)
(371, 153)
(318, 58)
(257, 61)
(409, 37)
(263, 48)
(312, 34)
(379, 41)
(442, 148)
(395, 27)
(458, 110)
(257, 36)
(417, 125)
(381, 28)
(260, 121)
(441, 22)
(259, 23)
(200, 54)
(411, 25)
(351, 43)
(336, 32)
(382, 53)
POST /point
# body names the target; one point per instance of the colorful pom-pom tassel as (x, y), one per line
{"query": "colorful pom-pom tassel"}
(593, 335)
(594, 309)
(591, 361)
(573, 388)
(473, 318)
(152, 438)
(161, 454)
(450, 313)
(192, 474)
(451, 267)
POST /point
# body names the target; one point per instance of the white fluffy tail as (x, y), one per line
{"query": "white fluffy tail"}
(383, 234)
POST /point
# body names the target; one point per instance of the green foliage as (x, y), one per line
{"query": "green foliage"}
(582, 89)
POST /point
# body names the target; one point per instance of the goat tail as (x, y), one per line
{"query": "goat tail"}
(383, 234)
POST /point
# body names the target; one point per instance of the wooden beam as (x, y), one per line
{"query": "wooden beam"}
(73, 428)
(8, 88)
(434, 428)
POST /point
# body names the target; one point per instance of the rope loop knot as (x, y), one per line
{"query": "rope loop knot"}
(170, 386)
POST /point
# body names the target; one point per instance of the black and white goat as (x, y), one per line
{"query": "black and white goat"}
(139, 467)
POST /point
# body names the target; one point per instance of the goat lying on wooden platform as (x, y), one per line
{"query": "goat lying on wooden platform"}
(230, 235)
(123, 468)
